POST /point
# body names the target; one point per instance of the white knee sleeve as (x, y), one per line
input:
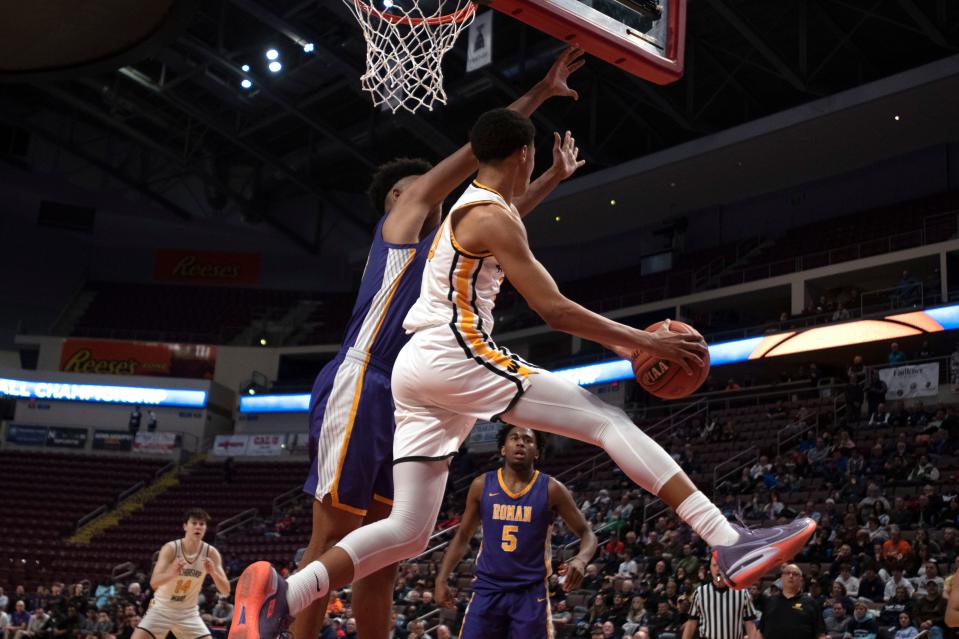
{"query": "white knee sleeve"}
(417, 496)
(554, 405)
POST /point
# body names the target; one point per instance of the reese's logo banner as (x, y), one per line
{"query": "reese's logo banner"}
(208, 267)
(109, 357)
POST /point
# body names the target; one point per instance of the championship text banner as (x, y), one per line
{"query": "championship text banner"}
(109, 357)
(207, 267)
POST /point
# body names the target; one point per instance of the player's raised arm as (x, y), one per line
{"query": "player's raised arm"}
(167, 567)
(213, 565)
(565, 162)
(459, 544)
(422, 197)
(505, 237)
(562, 501)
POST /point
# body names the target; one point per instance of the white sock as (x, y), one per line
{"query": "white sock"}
(306, 586)
(708, 522)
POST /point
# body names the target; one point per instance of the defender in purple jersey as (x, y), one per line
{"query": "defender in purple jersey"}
(351, 407)
(516, 506)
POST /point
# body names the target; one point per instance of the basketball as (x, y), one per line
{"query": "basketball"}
(665, 379)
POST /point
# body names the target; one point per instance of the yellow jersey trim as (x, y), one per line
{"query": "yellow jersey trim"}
(511, 494)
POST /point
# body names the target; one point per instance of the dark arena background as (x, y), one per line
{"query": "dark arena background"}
(184, 226)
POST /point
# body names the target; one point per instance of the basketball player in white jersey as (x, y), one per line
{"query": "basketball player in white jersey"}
(177, 580)
(451, 373)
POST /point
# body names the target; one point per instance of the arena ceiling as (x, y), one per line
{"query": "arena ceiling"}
(310, 130)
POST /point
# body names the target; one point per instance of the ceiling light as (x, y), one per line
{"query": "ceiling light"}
(272, 54)
(275, 67)
(557, 218)
(896, 118)
(246, 84)
(612, 202)
(262, 341)
(251, 392)
(308, 47)
(245, 68)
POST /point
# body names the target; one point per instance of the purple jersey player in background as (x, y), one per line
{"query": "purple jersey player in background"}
(516, 506)
(351, 407)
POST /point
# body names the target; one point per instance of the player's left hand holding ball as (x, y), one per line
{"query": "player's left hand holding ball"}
(575, 570)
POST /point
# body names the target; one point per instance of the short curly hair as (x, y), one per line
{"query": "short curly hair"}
(388, 174)
(504, 433)
(499, 133)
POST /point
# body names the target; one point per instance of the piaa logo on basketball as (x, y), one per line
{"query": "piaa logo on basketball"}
(657, 371)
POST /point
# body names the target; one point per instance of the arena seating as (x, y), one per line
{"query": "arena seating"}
(853, 236)
(254, 485)
(44, 495)
(213, 314)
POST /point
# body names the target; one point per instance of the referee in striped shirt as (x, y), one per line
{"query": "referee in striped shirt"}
(719, 612)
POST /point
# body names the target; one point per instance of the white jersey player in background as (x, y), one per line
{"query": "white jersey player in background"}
(177, 580)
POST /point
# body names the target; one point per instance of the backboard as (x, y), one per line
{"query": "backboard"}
(644, 37)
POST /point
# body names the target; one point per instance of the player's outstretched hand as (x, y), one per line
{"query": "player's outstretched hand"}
(575, 570)
(565, 155)
(209, 565)
(686, 349)
(565, 65)
(443, 595)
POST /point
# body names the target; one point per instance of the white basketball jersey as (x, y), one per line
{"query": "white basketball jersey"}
(183, 592)
(459, 287)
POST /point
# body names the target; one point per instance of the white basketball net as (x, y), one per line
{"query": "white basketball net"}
(405, 49)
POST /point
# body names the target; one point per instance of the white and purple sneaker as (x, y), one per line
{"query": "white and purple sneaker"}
(759, 551)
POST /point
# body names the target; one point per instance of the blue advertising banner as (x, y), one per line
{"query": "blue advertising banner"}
(27, 435)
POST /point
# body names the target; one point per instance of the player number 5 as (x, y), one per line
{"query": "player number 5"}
(509, 538)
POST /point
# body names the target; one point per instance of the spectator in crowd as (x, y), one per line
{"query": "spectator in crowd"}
(636, 616)
(4, 601)
(4, 621)
(870, 585)
(863, 624)
(857, 369)
(897, 581)
(18, 619)
(151, 421)
(792, 614)
(561, 614)
(924, 472)
(665, 623)
(88, 625)
(35, 625)
(841, 313)
(222, 611)
(904, 628)
(896, 356)
(930, 610)
(909, 290)
(848, 580)
(134, 422)
(443, 632)
(837, 623)
(896, 547)
(875, 392)
(881, 417)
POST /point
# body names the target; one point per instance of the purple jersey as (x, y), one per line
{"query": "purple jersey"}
(390, 285)
(516, 534)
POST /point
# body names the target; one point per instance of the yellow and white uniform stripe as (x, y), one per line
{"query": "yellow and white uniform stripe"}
(451, 372)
